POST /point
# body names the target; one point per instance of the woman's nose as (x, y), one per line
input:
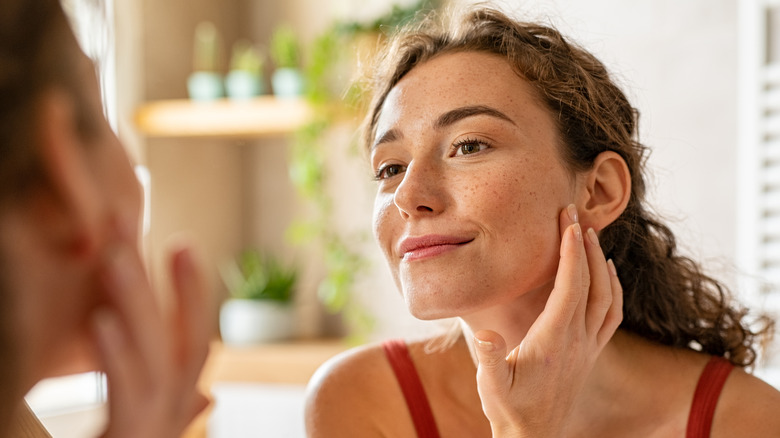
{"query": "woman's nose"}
(421, 192)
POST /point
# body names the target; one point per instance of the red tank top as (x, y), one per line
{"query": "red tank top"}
(411, 386)
(705, 398)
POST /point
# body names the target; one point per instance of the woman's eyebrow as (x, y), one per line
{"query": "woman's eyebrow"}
(447, 119)
(461, 113)
(387, 137)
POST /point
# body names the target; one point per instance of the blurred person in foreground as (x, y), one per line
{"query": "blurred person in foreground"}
(74, 295)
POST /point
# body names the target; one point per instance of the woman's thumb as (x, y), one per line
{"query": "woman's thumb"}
(493, 369)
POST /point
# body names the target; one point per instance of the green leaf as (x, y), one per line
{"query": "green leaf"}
(285, 47)
(260, 277)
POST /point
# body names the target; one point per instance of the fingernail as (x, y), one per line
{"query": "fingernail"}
(572, 211)
(611, 267)
(593, 237)
(577, 232)
(486, 345)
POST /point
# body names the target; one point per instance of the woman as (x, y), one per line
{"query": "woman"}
(508, 167)
(73, 292)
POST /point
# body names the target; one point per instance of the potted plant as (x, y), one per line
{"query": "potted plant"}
(287, 79)
(259, 308)
(205, 83)
(245, 79)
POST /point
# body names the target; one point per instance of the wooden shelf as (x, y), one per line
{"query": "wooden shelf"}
(290, 362)
(260, 117)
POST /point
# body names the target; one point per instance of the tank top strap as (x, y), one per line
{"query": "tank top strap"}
(705, 399)
(405, 372)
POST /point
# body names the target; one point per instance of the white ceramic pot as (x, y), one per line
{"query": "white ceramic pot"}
(246, 322)
(242, 85)
(287, 83)
(205, 86)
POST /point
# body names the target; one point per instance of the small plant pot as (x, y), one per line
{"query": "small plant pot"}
(247, 322)
(243, 85)
(287, 83)
(205, 86)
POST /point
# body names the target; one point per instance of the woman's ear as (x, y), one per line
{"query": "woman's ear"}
(69, 193)
(607, 191)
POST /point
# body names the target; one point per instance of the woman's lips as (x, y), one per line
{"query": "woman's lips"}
(417, 248)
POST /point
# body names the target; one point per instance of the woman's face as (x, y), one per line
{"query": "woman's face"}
(471, 184)
(118, 204)
(113, 170)
(113, 201)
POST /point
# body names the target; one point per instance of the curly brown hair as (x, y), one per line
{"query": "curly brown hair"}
(667, 296)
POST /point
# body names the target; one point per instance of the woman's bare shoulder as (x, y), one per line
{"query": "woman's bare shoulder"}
(748, 406)
(351, 371)
(354, 394)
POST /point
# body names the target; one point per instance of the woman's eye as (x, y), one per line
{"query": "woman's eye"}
(467, 147)
(389, 171)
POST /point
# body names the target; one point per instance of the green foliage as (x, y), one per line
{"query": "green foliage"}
(285, 47)
(206, 47)
(246, 57)
(307, 164)
(330, 100)
(397, 17)
(258, 277)
(324, 52)
(343, 263)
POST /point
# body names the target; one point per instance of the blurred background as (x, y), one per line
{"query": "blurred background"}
(269, 181)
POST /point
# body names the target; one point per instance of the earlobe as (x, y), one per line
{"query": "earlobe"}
(607, 191)
(67, 181)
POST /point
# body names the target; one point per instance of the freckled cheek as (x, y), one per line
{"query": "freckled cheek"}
(498, 196)
(383, 223)
(512, 204)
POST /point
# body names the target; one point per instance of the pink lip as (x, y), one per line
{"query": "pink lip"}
(431, 245)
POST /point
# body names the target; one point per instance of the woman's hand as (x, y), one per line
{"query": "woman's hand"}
(152, 360)
(532, 391)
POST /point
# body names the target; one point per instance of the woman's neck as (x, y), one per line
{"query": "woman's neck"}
(511, 320)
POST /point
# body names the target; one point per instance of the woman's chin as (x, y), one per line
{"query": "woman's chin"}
(428, 312)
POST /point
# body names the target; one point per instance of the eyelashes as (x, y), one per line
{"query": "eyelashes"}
(469, 145)
(462, 147)
(388, 171)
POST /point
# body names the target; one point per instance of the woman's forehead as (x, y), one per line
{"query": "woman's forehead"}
(459, 80)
